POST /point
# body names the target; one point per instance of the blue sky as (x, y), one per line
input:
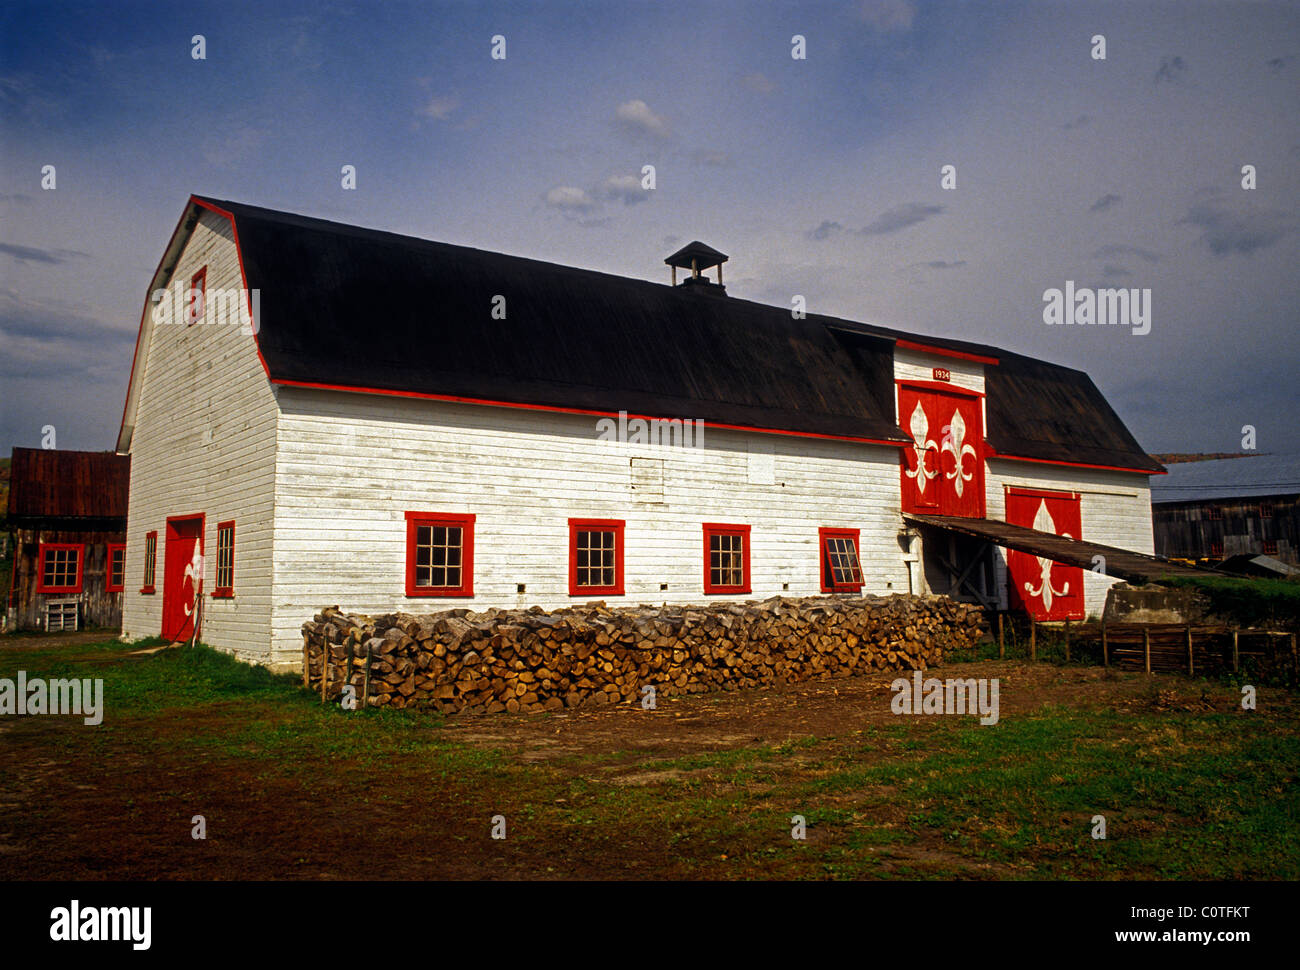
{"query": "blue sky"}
(818, 176)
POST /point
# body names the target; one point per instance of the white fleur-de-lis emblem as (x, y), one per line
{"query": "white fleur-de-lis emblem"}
(919, 426)
(1043, 523)
(954, 441)
(194, 570)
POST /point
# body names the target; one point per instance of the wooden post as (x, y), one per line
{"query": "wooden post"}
(1105, 647)
(1236, 657)
(306, 673)
(1002, 647)
(1188, 630)
(1146, 647)
(1067, 641)
(1033, 639)
(365, 682)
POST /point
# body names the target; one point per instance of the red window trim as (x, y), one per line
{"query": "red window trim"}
(224, 592)
(716, 529)
(466, 524)
(198, 281)
(40, 567)
(827, 581)
(108, 568)
(1041, 492)
(150, 565)
(944, 351)
(944, 386)
(617, 526)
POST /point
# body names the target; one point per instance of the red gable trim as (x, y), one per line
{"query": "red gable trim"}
(944, 351)
(559, 410)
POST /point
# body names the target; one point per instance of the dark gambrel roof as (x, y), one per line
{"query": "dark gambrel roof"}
(346, 306)
(68, 484)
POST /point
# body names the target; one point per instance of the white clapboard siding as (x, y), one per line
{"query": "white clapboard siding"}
(1114, 507)
(204, 442)
(351, 465)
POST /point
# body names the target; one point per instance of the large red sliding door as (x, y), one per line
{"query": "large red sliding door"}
(943, 467)
(1046, 590)
(182, 566)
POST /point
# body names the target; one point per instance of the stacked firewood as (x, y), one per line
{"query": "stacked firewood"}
(534, 660)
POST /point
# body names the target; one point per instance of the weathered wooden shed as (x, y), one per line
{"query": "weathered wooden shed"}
(68, 510)
(321, 413)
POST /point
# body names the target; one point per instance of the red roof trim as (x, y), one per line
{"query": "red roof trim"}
(456, 399)
(944, 351)
(1073, 464)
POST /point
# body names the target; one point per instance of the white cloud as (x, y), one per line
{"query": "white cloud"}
(886, 15)
(440, 107)
(570, 199)
(623, 188)
(636, 116)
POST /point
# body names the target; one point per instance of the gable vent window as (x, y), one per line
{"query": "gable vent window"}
(197, 296)
(225, 560)
(150, 557)
(841, 570)
(439, 554)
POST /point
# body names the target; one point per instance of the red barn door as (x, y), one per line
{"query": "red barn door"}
(943, 467)
(1046, 590)
(182, 562)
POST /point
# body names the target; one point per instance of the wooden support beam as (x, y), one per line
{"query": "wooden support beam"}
(1033, 639)
(1146, 649)
(1067, 641)
(1002, 647)
(1190, 664)
(1105, 647)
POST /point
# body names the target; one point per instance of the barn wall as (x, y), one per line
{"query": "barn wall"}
(351, 465)
(1190, 530)
(98, 608)
(204, 442)
(1115, 509)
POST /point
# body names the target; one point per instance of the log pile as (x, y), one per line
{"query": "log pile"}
(590, 655)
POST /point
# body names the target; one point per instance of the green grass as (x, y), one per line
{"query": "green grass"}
(1203, 796)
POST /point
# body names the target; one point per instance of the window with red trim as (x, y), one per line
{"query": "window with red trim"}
(225, 585)
(196, 297)
(1214, 512)
(596, 557)
(439, 554)
(1270, 547)
(150, 558)
(841, 567)
(1265, 510)
(60, 566)
(116, 579)
(1216, 549)
(726, 558)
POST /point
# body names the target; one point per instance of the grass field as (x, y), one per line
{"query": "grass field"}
(1191, 786)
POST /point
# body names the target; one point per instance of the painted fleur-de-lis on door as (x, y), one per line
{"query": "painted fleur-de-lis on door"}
(194, 572)
(920, 426)
(954, 442)
(1043, 523)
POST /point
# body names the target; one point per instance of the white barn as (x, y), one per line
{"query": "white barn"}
(323, 414)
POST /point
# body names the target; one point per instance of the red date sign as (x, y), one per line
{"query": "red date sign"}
(942, 374)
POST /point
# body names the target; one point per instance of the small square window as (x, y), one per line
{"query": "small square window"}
(1265, 510)
(1269, 547)
(841, 569)
(726, 558)
(59, 568)
(1214, 512)
(595, 557)
(1216, 549)
(439, 554)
